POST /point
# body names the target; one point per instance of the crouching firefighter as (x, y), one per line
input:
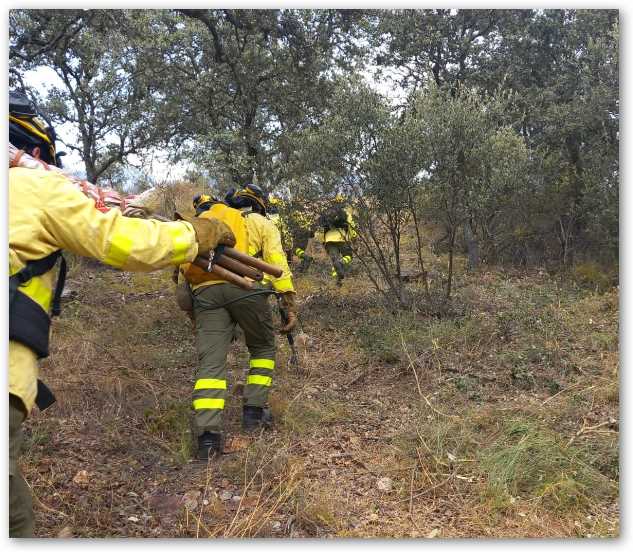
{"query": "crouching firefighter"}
(63, 218)
(219, 305)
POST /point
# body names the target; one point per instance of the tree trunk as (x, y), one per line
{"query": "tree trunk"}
(418, 238)
(91, 170)
(450, 263)
(473, 246)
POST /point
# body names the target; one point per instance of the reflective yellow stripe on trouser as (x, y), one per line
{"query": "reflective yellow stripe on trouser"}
(259, 381)
(209, 395)
(208, 404)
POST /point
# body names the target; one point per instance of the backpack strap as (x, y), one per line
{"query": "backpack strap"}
(28, 323)
(37, 268)
(59, 286)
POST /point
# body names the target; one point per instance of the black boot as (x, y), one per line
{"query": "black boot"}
(306, 260)
(209, 445)
(255, 417)
(340, 273)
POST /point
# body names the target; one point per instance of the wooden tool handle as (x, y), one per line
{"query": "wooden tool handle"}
(238, 267)
(223, 273)
(160, 218)
(252, 261)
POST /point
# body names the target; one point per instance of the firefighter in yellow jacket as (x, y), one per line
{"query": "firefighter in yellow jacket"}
(273, 208)
(337, 231)
(218, 306)
(46, 215)
(302, 224)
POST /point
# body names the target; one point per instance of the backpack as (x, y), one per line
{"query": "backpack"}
(235, 220)
(29, 323)
(334, 217)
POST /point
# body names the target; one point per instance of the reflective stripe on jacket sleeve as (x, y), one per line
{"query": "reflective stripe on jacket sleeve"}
(122, 242)
(272, 250)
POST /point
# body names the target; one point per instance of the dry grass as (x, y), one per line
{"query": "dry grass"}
(494, 417)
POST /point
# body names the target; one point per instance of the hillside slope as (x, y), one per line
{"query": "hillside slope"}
(498, 418)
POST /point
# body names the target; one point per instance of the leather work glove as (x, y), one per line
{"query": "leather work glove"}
(210, 233)
(134, 212)
(289, 306)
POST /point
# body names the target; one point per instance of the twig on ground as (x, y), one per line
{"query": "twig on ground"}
(411, 502)
(428, 490)
(565, 390)
(589, 429)
(417, 382)
(42, 505)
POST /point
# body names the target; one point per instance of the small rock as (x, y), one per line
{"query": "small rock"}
(226, 495)
(190, 499)
(236, 443)
(276, 526)
(384, 484)
(236, 498)
(81, 478)
(434, 533)
(65, 533)
(133, 519)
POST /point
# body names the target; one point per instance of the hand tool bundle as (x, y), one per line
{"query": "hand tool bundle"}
(226, 262)
(104, 198)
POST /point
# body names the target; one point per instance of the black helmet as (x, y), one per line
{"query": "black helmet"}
(203, 202)
(29, 128)
(202, 199)
(229, 198)
(251, 196)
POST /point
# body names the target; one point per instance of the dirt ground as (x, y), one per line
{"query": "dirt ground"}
(393, 426)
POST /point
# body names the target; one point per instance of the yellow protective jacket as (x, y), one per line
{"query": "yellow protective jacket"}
(280, 223)
(264, 241)
(47, 213)
(338, 235)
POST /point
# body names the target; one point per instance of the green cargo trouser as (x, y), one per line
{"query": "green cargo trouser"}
(300, 243)
(214, 330)
(20, 501)
(340, 254)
